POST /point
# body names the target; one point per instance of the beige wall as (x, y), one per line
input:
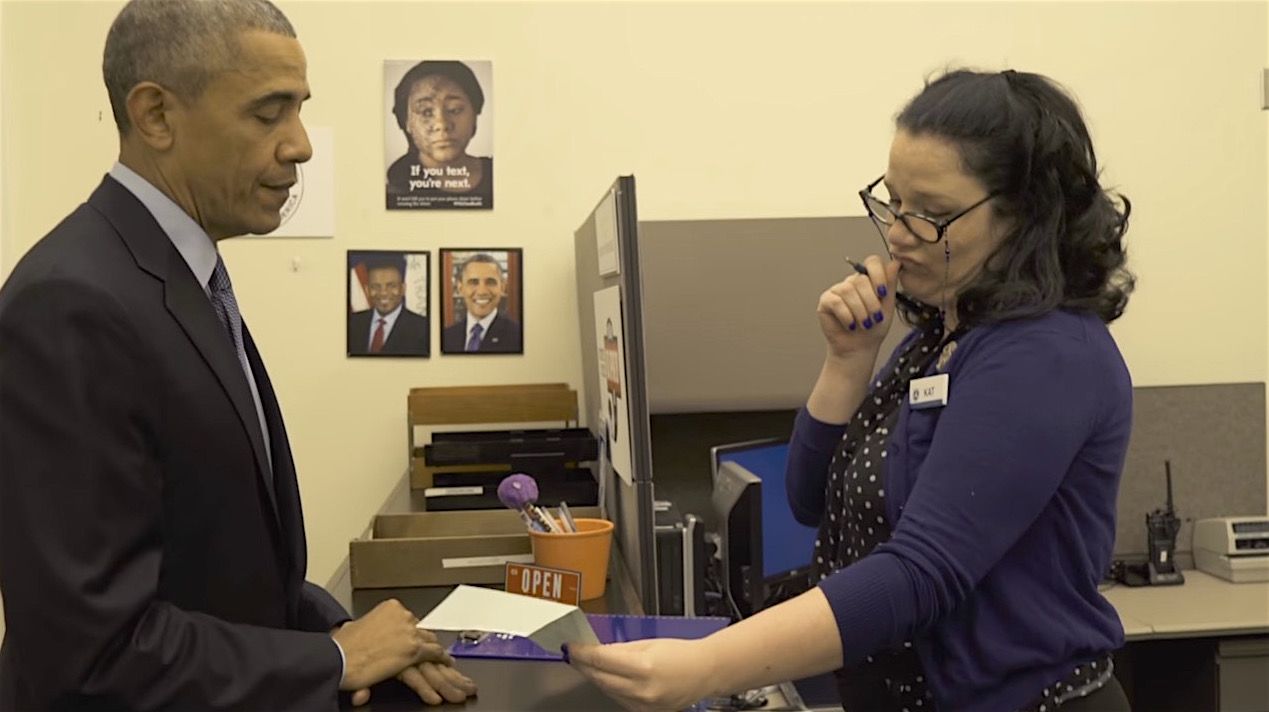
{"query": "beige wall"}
(721, 110)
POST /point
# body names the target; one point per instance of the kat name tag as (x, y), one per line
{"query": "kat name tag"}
(928, 392)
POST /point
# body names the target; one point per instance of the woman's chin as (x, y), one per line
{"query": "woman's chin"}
(910, 287)
(917, 292)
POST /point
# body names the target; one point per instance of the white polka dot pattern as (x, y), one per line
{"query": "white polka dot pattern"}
(856, 505)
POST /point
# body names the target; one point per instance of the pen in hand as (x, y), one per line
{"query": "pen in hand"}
(900, 297)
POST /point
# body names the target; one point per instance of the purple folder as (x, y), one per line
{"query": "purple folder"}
(609, 629)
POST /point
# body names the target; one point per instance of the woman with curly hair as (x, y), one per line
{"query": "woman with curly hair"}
(965, 494)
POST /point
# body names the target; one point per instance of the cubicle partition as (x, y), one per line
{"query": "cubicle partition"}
(607, 253)
(1214, 437)
(730, 308)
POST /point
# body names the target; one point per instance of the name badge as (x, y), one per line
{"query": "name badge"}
(928, 392)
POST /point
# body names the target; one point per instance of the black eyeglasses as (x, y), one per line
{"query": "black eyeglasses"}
(923, 227)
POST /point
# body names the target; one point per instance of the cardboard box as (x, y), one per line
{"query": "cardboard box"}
(441, 548)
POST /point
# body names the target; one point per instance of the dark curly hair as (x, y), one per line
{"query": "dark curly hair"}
(1022, 136)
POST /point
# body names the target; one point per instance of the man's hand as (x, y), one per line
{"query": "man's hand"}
(383, 643)
(434, 683)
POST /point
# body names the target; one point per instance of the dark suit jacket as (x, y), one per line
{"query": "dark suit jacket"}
(150, 557)
(503, 336)
(409, 335)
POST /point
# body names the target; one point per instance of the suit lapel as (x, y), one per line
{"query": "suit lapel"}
(188, 304)
(494, 335)
(285, 490)
(396, 337)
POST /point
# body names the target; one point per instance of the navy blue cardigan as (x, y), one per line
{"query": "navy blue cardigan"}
(1002, 506)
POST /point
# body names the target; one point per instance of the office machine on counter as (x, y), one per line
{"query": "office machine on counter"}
(554, 457)
(1233, 548)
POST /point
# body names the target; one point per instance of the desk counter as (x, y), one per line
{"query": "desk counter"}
(1202, 606)
(503, 684)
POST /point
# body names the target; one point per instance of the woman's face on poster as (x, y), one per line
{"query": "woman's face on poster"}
(441, 120)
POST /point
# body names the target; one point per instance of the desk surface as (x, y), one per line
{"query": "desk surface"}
(1203, 606)
(503, 684)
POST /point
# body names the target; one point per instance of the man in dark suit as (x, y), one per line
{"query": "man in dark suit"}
(152, 550)
(387, 328)
(483, 328)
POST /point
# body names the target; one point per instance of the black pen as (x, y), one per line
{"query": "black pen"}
(903, 299)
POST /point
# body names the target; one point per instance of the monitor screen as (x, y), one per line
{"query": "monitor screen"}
(787, 545)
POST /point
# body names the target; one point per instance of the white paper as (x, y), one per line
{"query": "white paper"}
(547, 623)
(614, 396)
(310, 211)
(606, 244)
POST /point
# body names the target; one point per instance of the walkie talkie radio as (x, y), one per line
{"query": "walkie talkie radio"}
(1162, 526)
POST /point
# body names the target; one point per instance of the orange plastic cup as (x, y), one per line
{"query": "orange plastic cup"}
(585, 551)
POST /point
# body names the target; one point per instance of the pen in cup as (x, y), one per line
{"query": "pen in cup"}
(551, 525)
(566, 518)
(519, 492)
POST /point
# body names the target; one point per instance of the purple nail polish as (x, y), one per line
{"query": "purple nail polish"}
(882, 291)
(867, 323)
(878, 317)
(852, 326)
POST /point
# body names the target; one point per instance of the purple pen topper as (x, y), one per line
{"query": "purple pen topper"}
(518, 490)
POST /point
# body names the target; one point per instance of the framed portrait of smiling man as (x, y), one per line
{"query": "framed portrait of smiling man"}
(438, 134)
(389, 305)
(482, 297)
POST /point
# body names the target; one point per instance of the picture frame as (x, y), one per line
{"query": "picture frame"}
(481, 287)
(389, 303)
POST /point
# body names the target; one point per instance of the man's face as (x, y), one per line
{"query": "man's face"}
(236, 147)
(482, 288)
(386, 289)
(441, 120)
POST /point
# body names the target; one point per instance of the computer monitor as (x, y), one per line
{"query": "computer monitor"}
(758, 532)
(737, 500)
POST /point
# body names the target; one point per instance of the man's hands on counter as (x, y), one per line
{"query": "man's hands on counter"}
(386, 642)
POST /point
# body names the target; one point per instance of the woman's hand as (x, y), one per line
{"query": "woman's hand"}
(647, 675)
(856, 313)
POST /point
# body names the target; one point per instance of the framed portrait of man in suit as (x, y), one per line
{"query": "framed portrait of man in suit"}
(482, 297)
(389, 309)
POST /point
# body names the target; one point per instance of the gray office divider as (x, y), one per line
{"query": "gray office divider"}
(1214, 435)
(730, 307)
(630, 506)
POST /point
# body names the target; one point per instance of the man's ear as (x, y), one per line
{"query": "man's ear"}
(150, 111)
